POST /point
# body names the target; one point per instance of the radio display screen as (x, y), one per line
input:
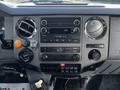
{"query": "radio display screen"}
(60, 30)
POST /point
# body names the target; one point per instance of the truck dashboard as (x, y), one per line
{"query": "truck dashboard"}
(59, 46)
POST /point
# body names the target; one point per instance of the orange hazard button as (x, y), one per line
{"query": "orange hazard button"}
(18, 43)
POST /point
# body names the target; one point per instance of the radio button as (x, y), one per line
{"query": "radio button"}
(63, 40)
(59, 49)
(76, 71)
(51, 41)
(75, 41)
(62, 71)
(67, 71)
(71, 68)
(76, 50)
(75, 68)
(69, 40)
(57, 40)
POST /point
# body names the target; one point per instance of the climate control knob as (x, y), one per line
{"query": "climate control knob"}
(44, 57)
(26, 55)
(94, 55)
(94, 28)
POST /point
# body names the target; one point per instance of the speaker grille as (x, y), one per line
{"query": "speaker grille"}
(25, 27)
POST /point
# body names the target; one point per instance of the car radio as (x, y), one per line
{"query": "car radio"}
(60, 29)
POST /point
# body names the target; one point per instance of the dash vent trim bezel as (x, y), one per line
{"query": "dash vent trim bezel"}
(31, 25)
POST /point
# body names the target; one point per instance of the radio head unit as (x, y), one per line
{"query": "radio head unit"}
(60, 29)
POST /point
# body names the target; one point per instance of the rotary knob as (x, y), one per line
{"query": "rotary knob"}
(76, 30)
(44, 57)
(76, 22)
(44, 30)
(26, 55)
(44, 22)
(94, 28)
(94, 55)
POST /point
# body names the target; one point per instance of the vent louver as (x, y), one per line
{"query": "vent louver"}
(26, 27)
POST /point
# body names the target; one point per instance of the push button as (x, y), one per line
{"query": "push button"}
(18, 43)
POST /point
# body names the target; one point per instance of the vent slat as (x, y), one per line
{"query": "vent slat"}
(25, 30)
(29, 24)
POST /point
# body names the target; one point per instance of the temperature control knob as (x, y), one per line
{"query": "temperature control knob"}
(94, 28)
(94, 55)
(44, 57)
(26, 55)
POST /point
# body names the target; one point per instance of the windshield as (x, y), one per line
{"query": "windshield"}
(64, 1)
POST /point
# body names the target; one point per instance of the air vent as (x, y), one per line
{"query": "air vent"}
(26, 27)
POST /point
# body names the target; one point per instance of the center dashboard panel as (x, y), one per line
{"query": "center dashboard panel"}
(61, 44)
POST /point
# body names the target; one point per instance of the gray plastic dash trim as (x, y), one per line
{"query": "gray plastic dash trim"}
(59, 9)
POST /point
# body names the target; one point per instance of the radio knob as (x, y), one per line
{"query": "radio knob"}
(44, 22)
(76, 57)
(75, 30)
(94, 55)
(44, 30)
(94, 28)
(76, 22)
